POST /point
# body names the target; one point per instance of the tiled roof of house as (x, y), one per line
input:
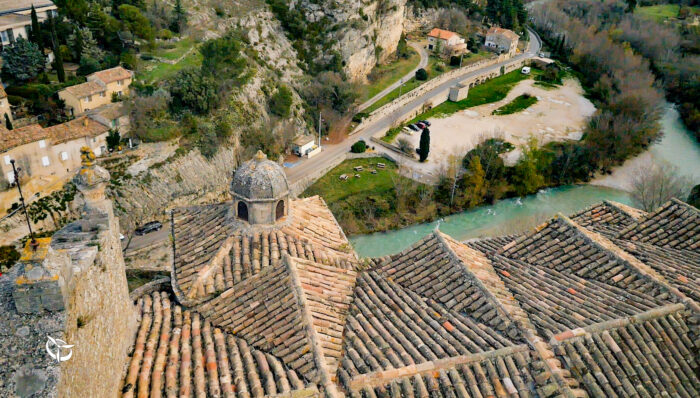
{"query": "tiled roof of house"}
(442, 34)
(83, 90)
(607, 217)
(112, 74)
(68, 131)
(676, 224)
(575, 308)
(180, 353)
(211, 255)
(503, 32)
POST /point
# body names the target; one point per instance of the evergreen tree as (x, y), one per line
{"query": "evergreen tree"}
(631, 5)
(58, 58)
(78, 45)
(424, 147)
(23, 61)
(8, 122)
(180, 19)
(35, 34)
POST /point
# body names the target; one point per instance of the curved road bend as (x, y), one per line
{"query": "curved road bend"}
(422, 64)
(330, 152)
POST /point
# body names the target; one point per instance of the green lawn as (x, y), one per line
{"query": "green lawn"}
(332, 189)
(493, 90)
(390, 73)
(178, 50)
(659, 12)
(519, 103)
(163, 71)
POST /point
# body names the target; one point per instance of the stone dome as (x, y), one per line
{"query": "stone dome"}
(259, 179)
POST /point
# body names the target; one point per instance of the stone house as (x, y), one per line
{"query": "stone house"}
(16, 21)
(51, 151)
(97, 90)
(502, 40)
(450, 43)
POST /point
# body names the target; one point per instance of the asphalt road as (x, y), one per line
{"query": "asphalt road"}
(422, 64)
(136, 242)
(330, 152)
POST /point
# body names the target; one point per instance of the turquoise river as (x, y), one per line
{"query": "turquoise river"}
(677, 147)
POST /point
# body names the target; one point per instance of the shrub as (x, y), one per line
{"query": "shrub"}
(192, 90)
(358, 147)
(405, 146)
(359, 116)
(454, 60)
(421, 74)
(165, 34)
(8, 257)
(281, 102)
(146, 57)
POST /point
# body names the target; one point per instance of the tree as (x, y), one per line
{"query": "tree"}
(694, 197)
(190, 89)
(358, 147)
(631, 5)
(8, 122)
(58, 58)
(402, 47)
(179, 17)
(281, 101)
(35, 34)
(421, 74)
(424, 146)
(223, 57)
(405, 146)
(654, 184)
(135, 22)
(474, 183)
(113, 139)
(23, 61)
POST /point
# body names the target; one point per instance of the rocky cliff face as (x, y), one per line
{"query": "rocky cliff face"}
(363, 32)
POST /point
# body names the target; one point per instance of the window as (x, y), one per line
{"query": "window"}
(3, 36)
(279, 211)
(114, 123)
(64, 155)
(242, 211)
(94, 139)
(120, 82)
(11, 177)
(88, 98)
(45, 160)
(42, 143)
(102, 94)
(7, 159)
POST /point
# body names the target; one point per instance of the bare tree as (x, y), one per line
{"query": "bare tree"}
(405, 146)
(654, 184)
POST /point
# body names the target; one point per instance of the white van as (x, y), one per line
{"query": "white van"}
(525, 70)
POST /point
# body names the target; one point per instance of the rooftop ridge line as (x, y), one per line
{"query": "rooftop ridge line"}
(654, 213)
(381, 377)
(213, 265)
(639, 267)
(627, 210)
(482, 286)
(326, 380)
(616, 323)
(342, 233)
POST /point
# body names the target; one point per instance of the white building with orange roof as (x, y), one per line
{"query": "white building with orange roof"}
(445, 40)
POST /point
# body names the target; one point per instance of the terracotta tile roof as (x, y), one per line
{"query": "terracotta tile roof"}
(82, 90)
(296, 311)
(676, 224)
(180, 353)
(442, 34)
(112, 74)
(490, 245)
(74, 129)
(557, 301)
(564, 246)
(655, 354)
(503, 32)
(607, 218)
(212, 255)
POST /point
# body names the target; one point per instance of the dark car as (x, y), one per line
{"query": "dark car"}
(427, 123)
(413, 127)
(148, 228)
(420, 125)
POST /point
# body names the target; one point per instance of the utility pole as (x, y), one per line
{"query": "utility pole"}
(460, 60)
(24, 207)
(401, 87)
(319, 128)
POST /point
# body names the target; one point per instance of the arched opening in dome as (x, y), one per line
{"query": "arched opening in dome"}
(279, 211)
(242, 211)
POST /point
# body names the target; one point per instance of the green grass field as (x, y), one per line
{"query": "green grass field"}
(519, 103)
(332, 189)
(163, 71)
(493, 90)
(659, 12)
(178, 50)
(388, 74)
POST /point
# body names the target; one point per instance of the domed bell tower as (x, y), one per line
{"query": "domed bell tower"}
(260, 192)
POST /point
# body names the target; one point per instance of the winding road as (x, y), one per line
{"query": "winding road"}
(306, 166)
(422, 64)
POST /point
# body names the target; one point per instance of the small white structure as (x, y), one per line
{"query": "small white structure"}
(303, 145)
(525, 70)
(458, 92)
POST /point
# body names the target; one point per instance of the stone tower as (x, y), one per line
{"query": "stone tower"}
(260, 192)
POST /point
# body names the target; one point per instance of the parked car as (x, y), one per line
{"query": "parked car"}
(148, 228)
(427, 123)
(525, 70)
(413, 127)
(421, 125)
